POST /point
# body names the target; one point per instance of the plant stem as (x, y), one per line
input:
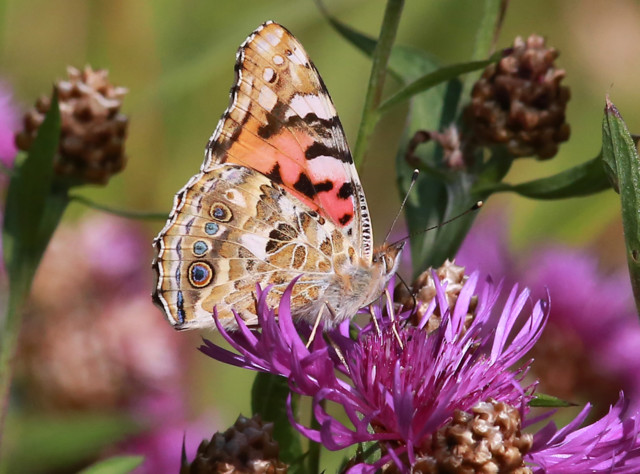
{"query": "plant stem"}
(376, 80)
(119, 212)
(313, 460)
(8, 344)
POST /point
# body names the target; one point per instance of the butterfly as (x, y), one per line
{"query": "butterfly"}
(277, 197)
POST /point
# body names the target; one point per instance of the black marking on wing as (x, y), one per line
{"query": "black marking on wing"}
(320, 149)
(280, 236)
(345, 218)
(346, 190)
(323, 186)
(305, 186)
(275, 175)
(180, 307)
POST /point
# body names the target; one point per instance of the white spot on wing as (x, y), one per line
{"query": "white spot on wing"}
(272, 38)
(236, 198)
(267, 98)
(279, 60)
(256, 244)
(305, 104)
(327, 167)
(268, 74)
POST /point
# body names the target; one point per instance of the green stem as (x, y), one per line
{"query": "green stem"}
(119, 212)
(313, 460)
(376, 80)
(22, 268)
(8, 344)
(4, 169)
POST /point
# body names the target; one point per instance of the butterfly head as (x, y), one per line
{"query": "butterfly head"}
(387, 258)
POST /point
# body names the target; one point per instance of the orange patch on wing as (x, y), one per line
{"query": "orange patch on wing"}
(286, 150)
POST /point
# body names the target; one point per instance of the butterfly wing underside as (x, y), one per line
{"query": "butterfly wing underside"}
(214, 252)
(282, 123)
(277, 197)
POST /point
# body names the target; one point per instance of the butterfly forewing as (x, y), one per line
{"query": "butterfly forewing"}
(282, 122)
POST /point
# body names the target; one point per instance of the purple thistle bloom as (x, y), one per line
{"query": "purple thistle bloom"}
(593, 323)
(611, 444)
(399, 384)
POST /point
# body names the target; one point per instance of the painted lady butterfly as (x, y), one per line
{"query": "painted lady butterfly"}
(277, 197)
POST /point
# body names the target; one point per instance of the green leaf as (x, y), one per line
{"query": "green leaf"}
(436, 196)
(581, 180)
(621, 156)
(32, 212)
(434, 78)
(24, 237)
(548, 401)
(363, 42)
(114, 465)
(41, 443)
(486, 36)
(269, 399)
(380, 60)
(404, 61)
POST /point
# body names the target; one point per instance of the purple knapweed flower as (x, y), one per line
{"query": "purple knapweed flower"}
(410, 390)
(591, 347)
(610, 444)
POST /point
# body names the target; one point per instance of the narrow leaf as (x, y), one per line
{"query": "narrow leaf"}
(363, 42)
(620, 154)
(269, 399)
(402, 57)
(486, 36)
(32, 212)
(542, 400)
(115, 465)
(25, 209)
(489, 27)
(581, 180)
(434, 78)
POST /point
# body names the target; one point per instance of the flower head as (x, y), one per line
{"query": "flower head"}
(591, 347)
(610, 444)
(520, 103)
(402, 383)
(93, 130)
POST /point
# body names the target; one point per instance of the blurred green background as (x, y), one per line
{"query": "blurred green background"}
(176, 59)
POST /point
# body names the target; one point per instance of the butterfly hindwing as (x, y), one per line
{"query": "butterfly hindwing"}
(282, 123)
(233, 229)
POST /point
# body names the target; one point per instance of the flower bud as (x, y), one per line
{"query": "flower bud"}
(520, 103)
(93, 130)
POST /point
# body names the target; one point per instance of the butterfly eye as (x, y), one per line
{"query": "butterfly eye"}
(374, 259)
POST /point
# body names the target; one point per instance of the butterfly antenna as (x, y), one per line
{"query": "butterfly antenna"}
(414, 178)
(473, 208)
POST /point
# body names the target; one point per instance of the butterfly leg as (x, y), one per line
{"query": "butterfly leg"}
(315, 325)
(394, 322)
(375, 320)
